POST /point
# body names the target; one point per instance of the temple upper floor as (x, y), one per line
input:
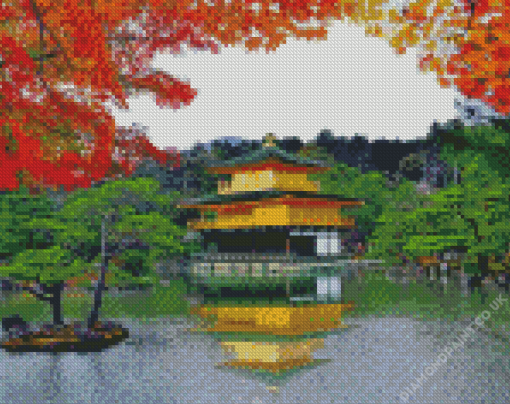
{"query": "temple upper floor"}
(268, 169)
(269, 179)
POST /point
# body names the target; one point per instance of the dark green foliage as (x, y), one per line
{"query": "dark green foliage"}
(481, 152)
(127, 219)
(472, 215)
(459, 142)
(349, 182)
(18, 208)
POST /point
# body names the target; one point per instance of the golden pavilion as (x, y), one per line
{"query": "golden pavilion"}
(269, 224)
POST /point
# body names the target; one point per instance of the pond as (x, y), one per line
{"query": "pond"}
(373, 360)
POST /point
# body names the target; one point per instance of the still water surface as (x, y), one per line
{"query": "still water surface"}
(372, 361)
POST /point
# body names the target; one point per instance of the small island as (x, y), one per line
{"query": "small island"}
(75, 337)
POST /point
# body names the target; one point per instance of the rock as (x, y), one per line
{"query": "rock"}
(14, 321)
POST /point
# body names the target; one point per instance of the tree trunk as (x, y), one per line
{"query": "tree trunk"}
(98, 293)
(483, 267)
(483, 264)
(56, 302)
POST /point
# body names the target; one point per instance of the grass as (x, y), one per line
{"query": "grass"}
(376, 295)
(160, 302)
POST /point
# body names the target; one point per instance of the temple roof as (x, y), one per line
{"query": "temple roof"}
(260, 195)
(267, 153)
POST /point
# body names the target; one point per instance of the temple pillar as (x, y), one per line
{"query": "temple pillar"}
(322, 243)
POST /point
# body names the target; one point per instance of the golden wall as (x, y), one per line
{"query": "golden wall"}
(264, 180)
(277, 215)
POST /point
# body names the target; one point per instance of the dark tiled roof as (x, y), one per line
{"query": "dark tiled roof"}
(258, 195)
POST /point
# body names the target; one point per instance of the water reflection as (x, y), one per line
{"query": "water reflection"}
(271, 363)
(273, 343)
(163, 361)
(51, 382)
(271, 356)
(273, 381)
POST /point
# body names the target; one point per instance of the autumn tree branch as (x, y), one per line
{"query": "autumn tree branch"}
(41, 35)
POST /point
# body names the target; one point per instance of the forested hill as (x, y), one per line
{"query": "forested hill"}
(393, 157)
(417, 160)
(357, 151)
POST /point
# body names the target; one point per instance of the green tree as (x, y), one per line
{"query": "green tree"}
(26, 249)
(482, 198)
(348, 182)
(397, 208)
(430, 227)
(472, 215)
(16, 208)
(461, 144)
(120, 216)
(50, 268)
(118, 205)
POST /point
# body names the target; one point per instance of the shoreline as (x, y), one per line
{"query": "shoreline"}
(399, 301)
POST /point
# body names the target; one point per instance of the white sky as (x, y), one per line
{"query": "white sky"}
(348, 83)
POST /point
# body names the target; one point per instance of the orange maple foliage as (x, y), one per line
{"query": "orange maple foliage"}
(132, 146)
(89, 47)
(102, 49)
(483, 65)
(479, 30)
